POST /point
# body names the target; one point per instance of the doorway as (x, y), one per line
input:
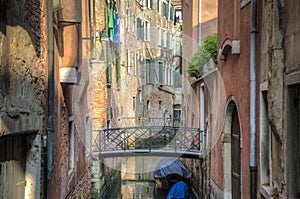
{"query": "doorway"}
(235, 155)
(232, 152)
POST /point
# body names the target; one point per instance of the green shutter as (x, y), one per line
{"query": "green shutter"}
(138, 28)
(152, 71)
(108, 65)
(167, 11)
(161, 68)
(148, 75)
(118, 74)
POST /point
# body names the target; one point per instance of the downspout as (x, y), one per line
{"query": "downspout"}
(253, 164)
(199, 22)
(50, 129)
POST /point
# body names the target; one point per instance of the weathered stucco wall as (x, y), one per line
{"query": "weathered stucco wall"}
(23, 76)
(22, 67)
(272, 81)
(234, 22)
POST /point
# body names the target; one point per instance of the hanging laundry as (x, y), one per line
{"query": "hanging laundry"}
(111, 22)
(116, 30)
(121, 32)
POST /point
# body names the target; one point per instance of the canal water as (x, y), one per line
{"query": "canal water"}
(137, 180)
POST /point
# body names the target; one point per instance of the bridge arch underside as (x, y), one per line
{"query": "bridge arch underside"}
(145, 152)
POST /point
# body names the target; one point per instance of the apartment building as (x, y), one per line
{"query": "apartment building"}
(141, 62)
(132, 67)
(147, 56)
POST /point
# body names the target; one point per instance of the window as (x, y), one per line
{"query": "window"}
(148, 105)
(127, 20)
(265, 144)
(161, 72)
(164, 39)
(176, 116)
(147, 31)
(165, 10)
(159, 105)
(133, 23)
(150, 71)
(133, 103)
(159, 41)
(71, 143)
(140, 96)
(88, 138)
(172, 13)
(169, 75)
(118, 72)
(135, 63)
(147, 70)
(178, 14)
(202, 103)
(178, 45)
(149, 4)
(139, 29)
(293, 141)
(158, 7)
(166, 70)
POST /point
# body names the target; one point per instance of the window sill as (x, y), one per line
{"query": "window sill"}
(70, 172)
(245, 3)
(266, 191)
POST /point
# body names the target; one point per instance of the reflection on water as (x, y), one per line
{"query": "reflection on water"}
(137, 180)
(138, 190)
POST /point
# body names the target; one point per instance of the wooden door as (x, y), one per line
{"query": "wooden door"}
(12, 166)
(235, 156)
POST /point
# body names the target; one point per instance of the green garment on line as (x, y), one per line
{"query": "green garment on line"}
(111, 23)
(111, 18)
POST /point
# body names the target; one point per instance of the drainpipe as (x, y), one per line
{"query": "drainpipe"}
(50, 129)
(253, 164)
(199, 22)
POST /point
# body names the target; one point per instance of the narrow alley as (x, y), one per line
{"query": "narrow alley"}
(111, 99)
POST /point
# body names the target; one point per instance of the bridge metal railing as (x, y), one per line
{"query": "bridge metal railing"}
(145, 121)
(151, 140)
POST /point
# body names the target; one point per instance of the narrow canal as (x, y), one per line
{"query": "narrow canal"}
(137, 181)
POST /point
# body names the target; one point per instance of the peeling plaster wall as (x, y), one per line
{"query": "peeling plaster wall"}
(272, 76)
(23, 73)
(22, 67)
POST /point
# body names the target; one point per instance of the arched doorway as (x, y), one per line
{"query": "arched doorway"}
(235, 155)
(232, 153)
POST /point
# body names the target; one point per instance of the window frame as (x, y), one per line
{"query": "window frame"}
(159, 33)
(146, 26)
(71, 144)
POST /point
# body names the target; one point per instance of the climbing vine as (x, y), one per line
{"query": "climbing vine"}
(206, 54)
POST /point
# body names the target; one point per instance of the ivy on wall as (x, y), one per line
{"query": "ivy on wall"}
(206, 54)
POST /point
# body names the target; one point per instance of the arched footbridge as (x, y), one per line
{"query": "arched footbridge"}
(148, 140)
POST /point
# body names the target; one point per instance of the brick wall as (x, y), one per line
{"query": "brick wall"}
(83, 187)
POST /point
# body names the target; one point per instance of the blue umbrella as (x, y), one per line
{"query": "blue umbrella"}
(168, 166)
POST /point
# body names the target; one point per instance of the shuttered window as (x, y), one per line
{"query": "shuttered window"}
(160, 72)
